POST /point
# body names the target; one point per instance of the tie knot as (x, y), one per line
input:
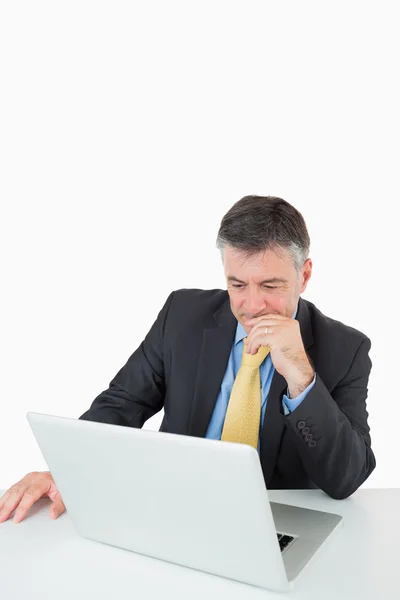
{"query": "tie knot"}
(254, 360)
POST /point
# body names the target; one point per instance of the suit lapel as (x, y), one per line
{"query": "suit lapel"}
(274, 422)
(214, 355)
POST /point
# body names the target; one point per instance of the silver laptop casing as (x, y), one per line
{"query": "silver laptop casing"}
(192, 501)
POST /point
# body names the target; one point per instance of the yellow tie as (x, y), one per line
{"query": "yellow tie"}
(242, 421)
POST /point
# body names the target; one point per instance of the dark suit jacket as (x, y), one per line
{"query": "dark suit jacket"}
(324, 443)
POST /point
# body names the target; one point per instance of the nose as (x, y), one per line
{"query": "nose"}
(254, 302)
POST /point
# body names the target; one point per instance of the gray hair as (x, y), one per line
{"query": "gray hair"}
(258, 223)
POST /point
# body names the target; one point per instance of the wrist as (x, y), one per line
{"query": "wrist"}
(298, 384)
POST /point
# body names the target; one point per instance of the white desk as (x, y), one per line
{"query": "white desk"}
(45, 559)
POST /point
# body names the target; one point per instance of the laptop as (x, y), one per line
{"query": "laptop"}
(192, 501)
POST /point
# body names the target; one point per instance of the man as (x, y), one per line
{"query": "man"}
(255, 364)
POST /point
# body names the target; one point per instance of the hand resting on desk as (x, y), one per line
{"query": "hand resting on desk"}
(23, 494)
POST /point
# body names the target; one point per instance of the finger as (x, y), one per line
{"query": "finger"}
(269, 321)
(57, 508)
(260, 336)
(32, 494)
(11, 499)
(273, 321)
(261, 328)
(3, 499)
(263, 325)
(56, 512)
(261, 339)
(256, 348)
(268, 316)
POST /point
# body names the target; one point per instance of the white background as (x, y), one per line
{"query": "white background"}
(129, 128)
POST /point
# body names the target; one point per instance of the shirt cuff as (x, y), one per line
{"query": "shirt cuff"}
(290, 404)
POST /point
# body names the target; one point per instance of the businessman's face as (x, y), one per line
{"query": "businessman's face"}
(264, 283)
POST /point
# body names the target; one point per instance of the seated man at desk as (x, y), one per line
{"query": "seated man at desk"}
(254, 364)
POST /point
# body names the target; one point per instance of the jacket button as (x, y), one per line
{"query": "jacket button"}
(312, 444)
(301, 424)
(308, 437)
(306, 430)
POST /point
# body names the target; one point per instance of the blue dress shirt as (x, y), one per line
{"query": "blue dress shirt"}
(267, 370)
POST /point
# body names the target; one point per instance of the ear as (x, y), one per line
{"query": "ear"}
(306, 274)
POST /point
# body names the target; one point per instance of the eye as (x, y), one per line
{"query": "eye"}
(268, 287)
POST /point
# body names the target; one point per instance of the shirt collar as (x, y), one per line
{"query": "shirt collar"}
(241, 332)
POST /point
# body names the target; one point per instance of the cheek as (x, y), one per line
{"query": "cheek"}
(236, 302)
(279, 304)
(276, 304)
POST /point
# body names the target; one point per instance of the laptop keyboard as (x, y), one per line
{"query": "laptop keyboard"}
(284, 540)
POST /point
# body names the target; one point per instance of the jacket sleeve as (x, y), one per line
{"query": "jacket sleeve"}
(332, 433)
(137, 391)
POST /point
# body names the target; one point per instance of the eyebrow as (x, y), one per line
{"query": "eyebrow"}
(272, 280)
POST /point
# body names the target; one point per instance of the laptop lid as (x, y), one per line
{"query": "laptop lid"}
(193, 501)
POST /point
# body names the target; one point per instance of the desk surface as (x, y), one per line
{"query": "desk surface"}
(41, 559)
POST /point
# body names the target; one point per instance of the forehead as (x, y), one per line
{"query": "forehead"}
(269, 263)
